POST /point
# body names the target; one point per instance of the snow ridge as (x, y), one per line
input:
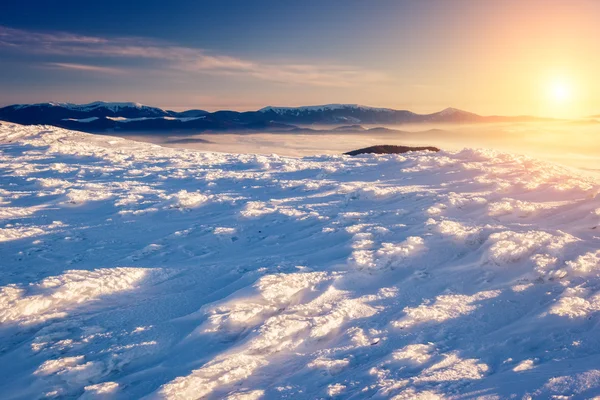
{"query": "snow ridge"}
(325, 107)
(113, 106)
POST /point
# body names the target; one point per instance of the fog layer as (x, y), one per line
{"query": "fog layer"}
(572, 143)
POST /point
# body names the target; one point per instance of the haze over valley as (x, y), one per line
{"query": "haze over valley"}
(324, 129)
(574, 145)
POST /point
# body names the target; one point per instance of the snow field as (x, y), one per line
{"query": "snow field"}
(131, 270)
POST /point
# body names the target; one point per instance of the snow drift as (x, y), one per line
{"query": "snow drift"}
(131, 270)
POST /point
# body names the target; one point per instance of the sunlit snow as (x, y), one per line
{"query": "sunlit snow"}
(133, 270)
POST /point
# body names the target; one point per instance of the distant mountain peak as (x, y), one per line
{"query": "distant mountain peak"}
(113, 106)
(452, 110)
(323, 107)
(449, 110)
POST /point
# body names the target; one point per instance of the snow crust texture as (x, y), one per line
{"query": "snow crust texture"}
(129, 270)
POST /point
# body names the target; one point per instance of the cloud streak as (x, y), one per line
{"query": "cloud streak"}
(84, 67)
(178, 58)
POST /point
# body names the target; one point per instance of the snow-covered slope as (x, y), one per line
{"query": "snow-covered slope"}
(121, 119)
(112, 106)
(338, 113)
(324, 107)
(131, 270)
(88, 115)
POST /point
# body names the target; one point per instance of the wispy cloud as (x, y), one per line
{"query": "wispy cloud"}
(18, 36)
(84, 67)
(185, 59)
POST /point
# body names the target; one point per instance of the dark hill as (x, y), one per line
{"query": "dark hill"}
(389, 149)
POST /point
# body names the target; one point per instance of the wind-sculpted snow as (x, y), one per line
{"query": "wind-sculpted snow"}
(53, 296)
(131, 270)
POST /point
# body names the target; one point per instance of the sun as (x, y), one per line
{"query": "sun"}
(561, 94)
(560, 91)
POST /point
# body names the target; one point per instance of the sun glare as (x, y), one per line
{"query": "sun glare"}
(562, 96)
(560, 92)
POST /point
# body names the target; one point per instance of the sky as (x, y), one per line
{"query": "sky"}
(494, 58)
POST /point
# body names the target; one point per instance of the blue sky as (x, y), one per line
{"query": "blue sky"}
(421, 55)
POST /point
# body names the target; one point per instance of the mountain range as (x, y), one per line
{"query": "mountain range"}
(130, 117)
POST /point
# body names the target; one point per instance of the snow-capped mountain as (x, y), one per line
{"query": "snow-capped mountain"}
(103, 116)
(455, 115)
(321, 108)
(101, 108)
(339, 113)
(93, 106)
(52, 113)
